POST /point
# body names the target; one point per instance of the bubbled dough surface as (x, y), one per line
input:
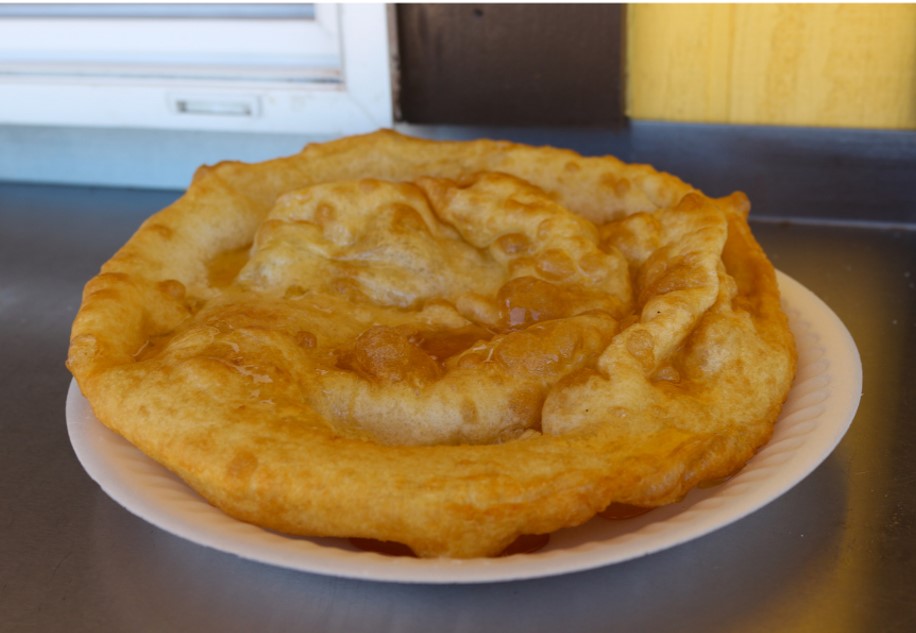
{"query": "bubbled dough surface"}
(414, 301)
(395, 339)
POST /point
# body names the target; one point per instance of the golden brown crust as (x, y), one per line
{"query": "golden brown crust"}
(441, 344)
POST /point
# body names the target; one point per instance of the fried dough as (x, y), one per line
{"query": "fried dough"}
(441, 344)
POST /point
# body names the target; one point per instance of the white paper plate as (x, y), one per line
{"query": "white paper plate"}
(817, 414)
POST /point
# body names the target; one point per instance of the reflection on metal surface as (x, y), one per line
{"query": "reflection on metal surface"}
(836, 553)
(866, 276)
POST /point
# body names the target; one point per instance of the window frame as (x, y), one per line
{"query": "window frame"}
(355, 96)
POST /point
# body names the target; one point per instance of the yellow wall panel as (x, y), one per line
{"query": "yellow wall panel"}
(848, 65)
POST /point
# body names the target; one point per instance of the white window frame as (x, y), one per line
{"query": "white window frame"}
(354, 95)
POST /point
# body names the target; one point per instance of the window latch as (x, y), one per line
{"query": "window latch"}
(216, 105)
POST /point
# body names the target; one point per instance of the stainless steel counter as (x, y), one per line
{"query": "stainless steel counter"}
(837, 553)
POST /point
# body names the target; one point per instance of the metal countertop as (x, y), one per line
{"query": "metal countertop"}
(836, 553)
